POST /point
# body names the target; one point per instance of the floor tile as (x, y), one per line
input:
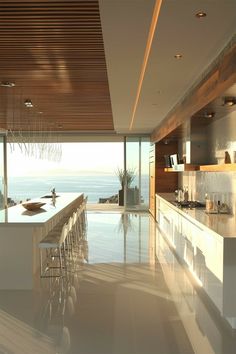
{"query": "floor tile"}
(125, 294)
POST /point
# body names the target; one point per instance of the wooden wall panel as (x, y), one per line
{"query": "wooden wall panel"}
(165, 182)
(152, 178)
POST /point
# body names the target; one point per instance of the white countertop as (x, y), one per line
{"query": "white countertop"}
(222, 224)
(19, 215)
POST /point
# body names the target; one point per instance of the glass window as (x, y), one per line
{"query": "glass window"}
(137, 172)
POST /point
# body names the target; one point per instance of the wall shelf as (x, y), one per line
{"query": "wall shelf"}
(182, 168)
(219, 168)
(204, 168)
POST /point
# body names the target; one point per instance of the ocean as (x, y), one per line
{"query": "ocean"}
(95, 187)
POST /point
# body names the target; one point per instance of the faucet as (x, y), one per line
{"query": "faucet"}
(179, 195)
(53, 195)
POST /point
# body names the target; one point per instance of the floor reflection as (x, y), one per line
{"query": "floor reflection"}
(59, 299)
(125, 293)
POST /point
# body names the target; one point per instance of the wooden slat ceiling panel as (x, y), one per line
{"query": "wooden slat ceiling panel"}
(53, 51)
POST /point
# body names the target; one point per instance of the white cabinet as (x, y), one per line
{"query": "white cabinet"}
(164, 215)
(178, 240)
(202, 250)
(191, 233)
(204, 255)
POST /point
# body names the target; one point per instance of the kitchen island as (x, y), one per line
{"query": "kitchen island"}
(21, 231)
(206, 244)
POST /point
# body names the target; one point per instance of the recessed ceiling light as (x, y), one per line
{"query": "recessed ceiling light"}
(28, 103)
(229, 101)
(209, 114)
(178, 56)
(200, 14)
(40, 112)
(7, 84)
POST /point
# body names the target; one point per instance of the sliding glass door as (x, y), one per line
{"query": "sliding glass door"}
(137, 170)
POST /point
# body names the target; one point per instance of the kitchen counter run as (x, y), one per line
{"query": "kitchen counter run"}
(19, 215)
(221, 224)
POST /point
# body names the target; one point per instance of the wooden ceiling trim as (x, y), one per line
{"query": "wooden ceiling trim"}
(78, 22)
(83, 5)
(86, 4)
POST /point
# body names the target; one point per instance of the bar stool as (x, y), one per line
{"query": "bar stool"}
(75, 228)
(72, 229)
(78, 225)
(54, 244)
(84, 214)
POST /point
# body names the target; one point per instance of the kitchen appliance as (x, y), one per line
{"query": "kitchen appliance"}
(174, 159)
(191, 204)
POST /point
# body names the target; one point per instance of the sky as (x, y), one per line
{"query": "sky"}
(77, 159)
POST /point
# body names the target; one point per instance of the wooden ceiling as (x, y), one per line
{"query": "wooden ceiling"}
(53, 51)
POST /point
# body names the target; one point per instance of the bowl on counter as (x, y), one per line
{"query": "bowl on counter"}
(33, 205)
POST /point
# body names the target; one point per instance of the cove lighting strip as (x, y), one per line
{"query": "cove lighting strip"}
(155, 17)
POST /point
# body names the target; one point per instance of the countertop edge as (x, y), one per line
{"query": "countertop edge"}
(69, 197)
(184, 213)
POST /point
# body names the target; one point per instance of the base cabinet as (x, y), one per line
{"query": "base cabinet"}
(208, 256)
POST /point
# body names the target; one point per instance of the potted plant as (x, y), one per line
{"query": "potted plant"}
(129, 174)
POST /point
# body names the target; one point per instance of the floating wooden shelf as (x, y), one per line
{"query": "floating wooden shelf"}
(207, 168)
(219, 168)
(182, 168)
(169, 169)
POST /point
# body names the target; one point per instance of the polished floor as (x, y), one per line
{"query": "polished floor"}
(125, 294)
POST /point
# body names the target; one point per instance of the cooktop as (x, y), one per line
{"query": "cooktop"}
(189, 204)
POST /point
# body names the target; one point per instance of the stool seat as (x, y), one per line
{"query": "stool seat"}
(63, 239)
(55, 240)
(50, 241)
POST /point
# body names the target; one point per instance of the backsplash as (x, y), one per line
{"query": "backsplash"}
(222, 138)
(221, 185)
